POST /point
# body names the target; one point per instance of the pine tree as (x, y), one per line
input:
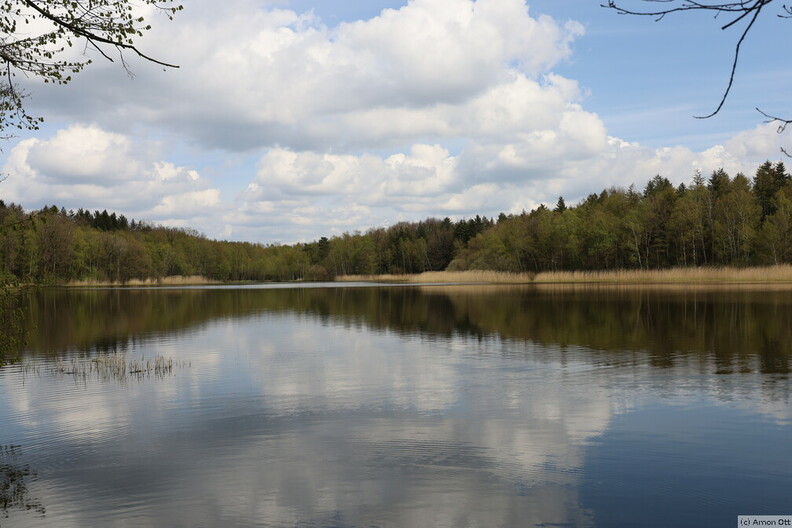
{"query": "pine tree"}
(560, 205)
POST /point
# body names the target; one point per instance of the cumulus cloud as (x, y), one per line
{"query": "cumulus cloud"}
(88, 167)
(426, 170)
(85, 155)
(258, 77)
(757, 143)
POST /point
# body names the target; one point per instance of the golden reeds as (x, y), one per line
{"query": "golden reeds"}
(445, 277)
(770, 274)
(175, 280)
(779, 273)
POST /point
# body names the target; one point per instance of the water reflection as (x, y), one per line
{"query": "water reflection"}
(331, 428)
(737, 330)
(406, 406)
(14, 479)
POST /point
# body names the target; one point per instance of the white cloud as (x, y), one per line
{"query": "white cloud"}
(426, 170)
(260, 77)
(762, 141)
(192, 203)
(87, 167)
(85, 154)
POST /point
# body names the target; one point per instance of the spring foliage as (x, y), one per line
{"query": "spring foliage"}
(41, 39)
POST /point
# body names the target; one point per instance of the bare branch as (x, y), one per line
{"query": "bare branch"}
(773, 119)
(782, 124)
(736, 60)
(741, 10)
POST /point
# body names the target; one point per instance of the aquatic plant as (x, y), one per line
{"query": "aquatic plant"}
(114, 366)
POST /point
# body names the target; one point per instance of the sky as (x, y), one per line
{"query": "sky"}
(289, 120)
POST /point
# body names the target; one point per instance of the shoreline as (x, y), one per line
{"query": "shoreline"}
(779, 274)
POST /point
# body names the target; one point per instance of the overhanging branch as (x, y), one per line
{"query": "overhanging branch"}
(93, 37)
(741, 9)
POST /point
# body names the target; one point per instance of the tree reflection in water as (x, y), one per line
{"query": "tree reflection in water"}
(14, 493)
(736, 328)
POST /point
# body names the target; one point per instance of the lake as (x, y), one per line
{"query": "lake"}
(418, 406)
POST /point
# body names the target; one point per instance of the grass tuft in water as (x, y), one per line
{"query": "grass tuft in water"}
(108, 367)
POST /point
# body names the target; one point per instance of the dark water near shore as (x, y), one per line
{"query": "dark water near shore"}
(399, 406)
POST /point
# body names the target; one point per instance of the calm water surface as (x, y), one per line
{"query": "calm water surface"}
(398, 406)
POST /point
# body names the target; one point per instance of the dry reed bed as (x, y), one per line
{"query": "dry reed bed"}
(494, 277)
(771, 274)
(176, 280)
(780, 273)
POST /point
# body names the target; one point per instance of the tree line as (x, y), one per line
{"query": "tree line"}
(53, 245)
(720, 220)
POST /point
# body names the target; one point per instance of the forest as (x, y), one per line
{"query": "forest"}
(716, 221)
